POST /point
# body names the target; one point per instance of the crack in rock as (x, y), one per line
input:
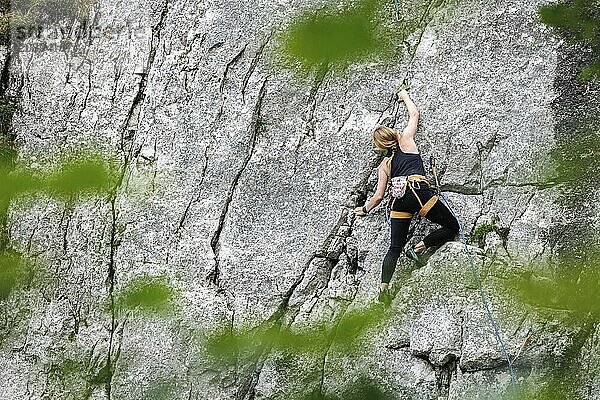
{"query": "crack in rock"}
(213, 276)
(130, 128)
(312, 105)
(359, 193)
(232, 62)
(131, 121)
(254, 63)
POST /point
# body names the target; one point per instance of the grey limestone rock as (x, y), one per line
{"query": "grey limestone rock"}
(239, 182)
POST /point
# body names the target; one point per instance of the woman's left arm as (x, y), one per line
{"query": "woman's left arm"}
(382, 179)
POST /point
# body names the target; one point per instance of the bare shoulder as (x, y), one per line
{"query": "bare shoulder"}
(385, 165)
(407, 144)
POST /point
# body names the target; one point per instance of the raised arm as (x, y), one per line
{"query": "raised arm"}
(408, 133)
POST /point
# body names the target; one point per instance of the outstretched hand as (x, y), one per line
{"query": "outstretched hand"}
(359, 211)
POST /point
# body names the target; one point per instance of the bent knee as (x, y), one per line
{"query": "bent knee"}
(454, 226)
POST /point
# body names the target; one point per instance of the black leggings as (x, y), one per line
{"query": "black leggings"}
(438, 214)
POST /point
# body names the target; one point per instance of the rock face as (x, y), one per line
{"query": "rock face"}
(238, 184)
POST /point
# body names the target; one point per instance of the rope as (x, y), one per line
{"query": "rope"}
(395, 111)
(482, 293)
(470, 257)
(397, 10)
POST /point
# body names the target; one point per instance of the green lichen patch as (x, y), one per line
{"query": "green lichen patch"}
(7, 151)
(17, 25)
(70, 379)
(160, 390)
(52, 10)
(360, 389)
(575, 162)
(154, 295)
(7, 148)
(7, 110)
(481, 231)
(73, 373)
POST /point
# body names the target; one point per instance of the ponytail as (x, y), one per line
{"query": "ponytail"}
(386, 138)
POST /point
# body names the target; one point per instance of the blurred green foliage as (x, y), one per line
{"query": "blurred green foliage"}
(15, 272)
(571, 286)
(342, 335)
(579, 21)
(8, 154)
(91, 174)
(551, 390)
(334, 36)
(343, 332)
(340, 34)
(566, 290)
(148, 294)
(84, 174)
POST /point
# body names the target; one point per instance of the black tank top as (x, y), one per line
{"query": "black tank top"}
(406, 163)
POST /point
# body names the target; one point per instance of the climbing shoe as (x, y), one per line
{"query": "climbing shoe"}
(412, 254)
(385, 297)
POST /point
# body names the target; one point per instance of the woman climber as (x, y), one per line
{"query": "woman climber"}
(420, 198)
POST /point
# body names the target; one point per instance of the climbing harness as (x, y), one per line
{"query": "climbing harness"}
(412, 182)
(481, 292)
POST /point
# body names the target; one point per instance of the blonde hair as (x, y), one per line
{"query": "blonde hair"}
(385, 138)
